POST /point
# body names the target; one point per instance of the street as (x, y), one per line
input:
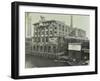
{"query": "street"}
(32, 61)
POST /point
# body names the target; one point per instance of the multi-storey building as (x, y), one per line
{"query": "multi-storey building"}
(50, 36)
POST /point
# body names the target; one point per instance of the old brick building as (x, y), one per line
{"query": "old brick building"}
(50, 36)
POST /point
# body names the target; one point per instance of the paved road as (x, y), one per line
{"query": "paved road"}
(36, 61)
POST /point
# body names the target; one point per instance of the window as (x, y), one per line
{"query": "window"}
(46, 27)
(38, 39)
(50, 32)
(37, 25)
(42, 32)
(59, 25)
(54, 49)
(34, 47)
(55, 32)
(47, 32)
(45, 48)
(35, 39)
(49, 48)
(42, 39)
(46, 39)
(62, 28)
(35, 33)
(66, 29)
(55, 27)
(41, 48)
(37, 48)
(39, 32)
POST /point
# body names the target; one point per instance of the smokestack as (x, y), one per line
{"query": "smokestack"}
(71, 21)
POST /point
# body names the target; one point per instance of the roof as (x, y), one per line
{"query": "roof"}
(45, 21)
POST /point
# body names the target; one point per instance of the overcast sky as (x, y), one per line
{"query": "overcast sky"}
(79, 21)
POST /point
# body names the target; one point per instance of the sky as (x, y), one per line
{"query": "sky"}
(79, 21)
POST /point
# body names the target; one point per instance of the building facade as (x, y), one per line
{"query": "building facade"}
(50, 36)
